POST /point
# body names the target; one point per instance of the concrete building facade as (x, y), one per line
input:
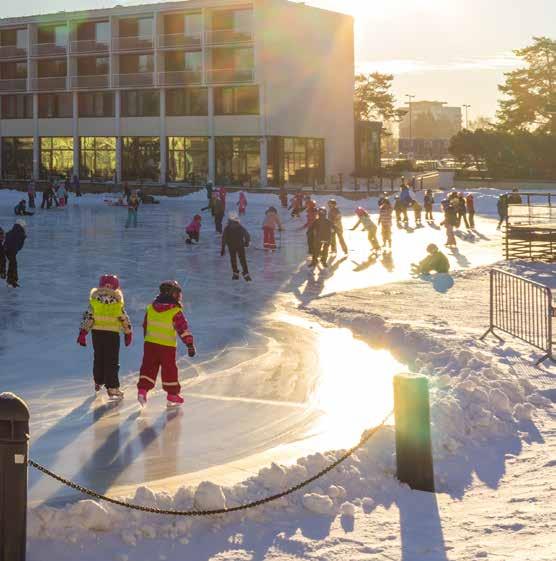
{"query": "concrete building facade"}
(250, 93)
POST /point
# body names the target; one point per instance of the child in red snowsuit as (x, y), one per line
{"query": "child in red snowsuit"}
(242, 203)
(297, 204)
(164, 320)
(271, 223)
(193, 231)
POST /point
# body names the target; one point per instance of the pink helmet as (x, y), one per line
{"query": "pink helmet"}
(360, 211)
(109, 281)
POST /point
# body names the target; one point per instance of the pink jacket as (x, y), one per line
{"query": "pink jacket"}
(242, 201)
(194, 227)
(272, 220)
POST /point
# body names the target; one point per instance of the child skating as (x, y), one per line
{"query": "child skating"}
(105, 318)
(271, 223)
(242, 203)
(369, 226)
(164, 322)
(385, 222)
(193, 230)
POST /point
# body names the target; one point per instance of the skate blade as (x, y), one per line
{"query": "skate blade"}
(114, 399)
(172, 405)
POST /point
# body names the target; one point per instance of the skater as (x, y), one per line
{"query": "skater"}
(164, 320)
(296, 205)
(132, 210)
(514, 198)
(271, 223)
(428, 204)
(193, 230)
(21, 209)
(398, 209)
(417, 211)
(2, 255)
(335, 216)
(15, 240)
(236, 238)
(209, 187)
(502, 207)
(217, 210)
(406, 201)
(369, 226)
(321, 232)
(283, 195)
(31, 193)
(470, 207)
(311, 208)
(105, 318)
(222, 193)
(127, 192)
(461, 210)
(242, 203)
(47, 196)
(435, 261)
(385, 221)
(450, 223)
(61, 195)
(76, 186)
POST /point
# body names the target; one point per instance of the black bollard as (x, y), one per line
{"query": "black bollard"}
(413, 432)
(14, 448)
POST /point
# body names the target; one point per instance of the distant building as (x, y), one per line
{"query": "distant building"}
(367, 148)
(427, 127)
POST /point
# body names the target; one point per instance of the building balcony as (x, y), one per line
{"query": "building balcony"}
(48, 49)
(180, 78)
(13, 85)
(12, 51)
(179, 40)
(88, 46)
(120, 44)
(140, 79)
(231, 76)
(92, 82)
(228, 36)
(49, 83)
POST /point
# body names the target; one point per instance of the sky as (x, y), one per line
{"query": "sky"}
(447, 50)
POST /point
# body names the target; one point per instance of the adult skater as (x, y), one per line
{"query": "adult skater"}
(76, 186)
(209, 187)
(15, 240)
(450, 223)
(365, 220)
(428, 203)
(406, 201)
(461, 210)
(271, 223)
(242, 203)
(398, 210)
(435, 261)
(2, 254)
(132, 210)
(502, 207)
(31, 193)
(217, 210)
(470, 207)
(47, 196)
(335, 216)
(193, 230)
(417, 211)
(105, 318)
(164, 321)
(21, 209)
(222, 194)
(385, 222)
(236, 238)
(321, 232)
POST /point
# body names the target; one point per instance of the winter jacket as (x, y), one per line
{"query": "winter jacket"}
(31, 188)
(21, 209)
(367, 223)
(405, 197)
(105, 296)
(502, 206)
(450, 215)
(514, 199)
(312, 212)
(242, 203)
(163, 303)
(385, 216)
(272, 220)
(194, 227)
(133, 203)
(235, 236)
(335, 216)
(215, 206)
(321, 230)
(417, 208)
(470, 203)
(15, 239)
(435, 262)
(428, 201)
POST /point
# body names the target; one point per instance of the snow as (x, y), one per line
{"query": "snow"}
(280, 388)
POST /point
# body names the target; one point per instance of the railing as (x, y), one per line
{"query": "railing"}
(179, 78)
(230, 75)
(48, 49)
(13, 85)
(179, 40)
(132, 43)
(227, 36)
(49, 83)
(89, 46)
(90, 82)
(521, 308)
(12, 51)
(141, 79)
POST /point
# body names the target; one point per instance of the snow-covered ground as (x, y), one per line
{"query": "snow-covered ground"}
(279, 378)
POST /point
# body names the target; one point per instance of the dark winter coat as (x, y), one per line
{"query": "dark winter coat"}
(235, 236)
(451, 215)
(15, 239)
(321, 230)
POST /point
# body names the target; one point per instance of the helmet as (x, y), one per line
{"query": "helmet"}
(21, 223)
(109, 281)
(332, 202)
(360, 211)
(432, 248)
(171, 288)
(233, 217)
(198, 217)
(22, 202)
(322, 211)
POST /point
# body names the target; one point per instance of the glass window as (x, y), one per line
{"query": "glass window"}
(303, 160)
(17, 157)
(141, 158)
(52, 68)
(140, 103)
(57, 105)
(102, 32)
(14, 38)
(96, 104)
(18, 106)
(193, 24)
(13, 70)
(56, 156)
(236, 100)
(133, 64)
(188, 159)
(241, 58)
(136, 27)
(97, 157)
(92, 66)
(187, 102)
(56, 34)
(238, 160)
(237, 20)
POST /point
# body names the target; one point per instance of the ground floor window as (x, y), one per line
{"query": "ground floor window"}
(141, 158)
(17, 157)
(56, 156)
(299, 161)
(188, 159)
(238, 160)
(97, 157)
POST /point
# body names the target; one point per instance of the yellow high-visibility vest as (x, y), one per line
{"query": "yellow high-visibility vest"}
(160, 327)
(107, 316)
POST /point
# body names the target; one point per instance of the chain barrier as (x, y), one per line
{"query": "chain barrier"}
(93, 494)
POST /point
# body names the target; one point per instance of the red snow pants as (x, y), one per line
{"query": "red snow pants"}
(269, 239)
(157, 357)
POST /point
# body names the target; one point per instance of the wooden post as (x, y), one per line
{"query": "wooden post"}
(413, 432)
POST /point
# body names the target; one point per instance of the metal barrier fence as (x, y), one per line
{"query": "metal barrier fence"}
(522, 308)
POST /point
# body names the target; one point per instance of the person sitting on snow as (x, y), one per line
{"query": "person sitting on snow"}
(21, 209)
(435, 261)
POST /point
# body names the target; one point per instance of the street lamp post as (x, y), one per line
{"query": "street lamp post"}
(410, 97)
(467, 107)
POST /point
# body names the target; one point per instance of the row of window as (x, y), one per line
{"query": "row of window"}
(233, 100)
(238, 160)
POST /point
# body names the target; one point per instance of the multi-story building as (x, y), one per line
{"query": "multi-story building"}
(252, 92)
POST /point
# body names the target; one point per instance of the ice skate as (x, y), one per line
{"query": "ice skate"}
(98, 387)
(174, 401)
(142, 397)
(247, 278)
(235, 276)
(115, 394)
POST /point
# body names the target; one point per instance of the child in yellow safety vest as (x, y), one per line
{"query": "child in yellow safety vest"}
(164, 322)
(106, 318)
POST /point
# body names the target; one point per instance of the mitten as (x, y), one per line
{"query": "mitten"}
(82, 338)
(128, 338)
(191, 350)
